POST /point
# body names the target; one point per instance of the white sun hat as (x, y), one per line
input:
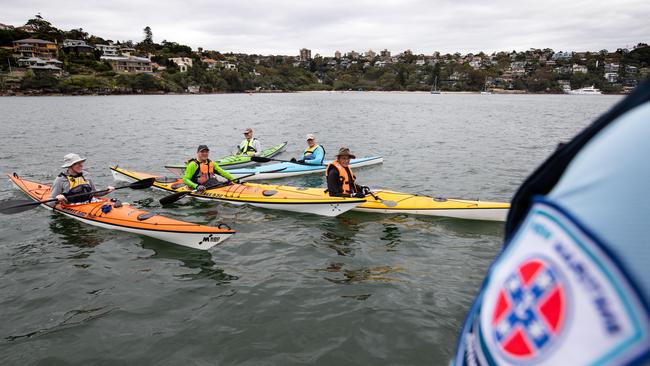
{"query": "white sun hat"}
(70, 160)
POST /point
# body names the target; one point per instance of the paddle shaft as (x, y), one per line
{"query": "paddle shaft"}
(260, 159)
(178, 195)
(145, 183)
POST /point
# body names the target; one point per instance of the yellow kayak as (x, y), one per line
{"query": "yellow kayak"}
(274, 197)
(396, 203)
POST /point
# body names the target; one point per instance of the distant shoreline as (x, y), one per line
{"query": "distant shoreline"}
(508, 92)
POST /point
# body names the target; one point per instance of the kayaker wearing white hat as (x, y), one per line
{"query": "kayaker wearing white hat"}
(341, 182)
(74, 180)
(314, 153)
(250, 146)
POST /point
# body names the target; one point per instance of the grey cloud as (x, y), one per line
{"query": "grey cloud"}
(282, 27)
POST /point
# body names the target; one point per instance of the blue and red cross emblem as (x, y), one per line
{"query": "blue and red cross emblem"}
(530, 310)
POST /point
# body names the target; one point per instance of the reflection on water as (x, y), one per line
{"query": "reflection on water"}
(75, 233)
(313, 181)
(392, 236)
(350, 276)
(145, 202)
(459, 227)
(190, 258)
(72, 318)
(339, 235)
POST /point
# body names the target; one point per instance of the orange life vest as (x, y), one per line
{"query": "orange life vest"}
(205, 171)
(348, 181)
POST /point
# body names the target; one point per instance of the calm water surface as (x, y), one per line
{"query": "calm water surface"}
(288, 288)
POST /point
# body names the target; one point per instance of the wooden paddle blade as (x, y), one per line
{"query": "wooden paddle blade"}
(10, 207)
(143, 183)
(173, 197)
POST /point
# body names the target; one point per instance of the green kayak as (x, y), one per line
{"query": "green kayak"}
(235, 161)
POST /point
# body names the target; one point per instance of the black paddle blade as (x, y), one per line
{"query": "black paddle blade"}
(167, 200)
(142, 184)
(9, 207)
(260, 159)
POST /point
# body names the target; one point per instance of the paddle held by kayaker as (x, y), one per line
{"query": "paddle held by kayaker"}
(314, 153)
(341, 182)
(74, 180)
(198, 171)
(249, 146)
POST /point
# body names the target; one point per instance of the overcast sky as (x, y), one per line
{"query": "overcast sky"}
(284, 26)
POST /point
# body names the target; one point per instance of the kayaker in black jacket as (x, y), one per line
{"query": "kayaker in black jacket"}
(341, 182)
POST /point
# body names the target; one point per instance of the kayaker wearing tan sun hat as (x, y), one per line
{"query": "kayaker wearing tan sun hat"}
(74, 180)
(341, 181)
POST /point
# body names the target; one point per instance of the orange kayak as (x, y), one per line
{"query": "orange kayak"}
(124, 217)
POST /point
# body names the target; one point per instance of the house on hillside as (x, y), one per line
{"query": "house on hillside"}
(231, 66)
(579, 69)
(557, 56)
(127, 51)
(612, 67)
(211, 64)
(108, 50)
(183, 63)
(41, 66)
(129, 63)
(77, 46)
(612, 77)
(33, 47)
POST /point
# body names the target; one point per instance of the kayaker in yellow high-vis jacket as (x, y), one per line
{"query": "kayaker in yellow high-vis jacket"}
(249, 146)
(198, 171)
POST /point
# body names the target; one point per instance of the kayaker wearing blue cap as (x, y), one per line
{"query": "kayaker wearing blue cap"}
(571, 286)
(250, 146)
(74, 180)
(341, 182)
(198, 171)
(314, 154)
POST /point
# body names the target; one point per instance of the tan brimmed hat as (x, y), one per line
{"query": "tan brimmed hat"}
(248, 130)
(311, 136)
(70, 160)
(344, 151)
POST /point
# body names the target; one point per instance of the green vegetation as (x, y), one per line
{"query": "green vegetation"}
(535, 70)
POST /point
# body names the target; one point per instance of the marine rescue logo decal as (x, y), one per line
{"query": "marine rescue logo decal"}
(555, 296)
(530, 310)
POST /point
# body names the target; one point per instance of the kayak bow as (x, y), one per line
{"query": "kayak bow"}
(390, 202)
